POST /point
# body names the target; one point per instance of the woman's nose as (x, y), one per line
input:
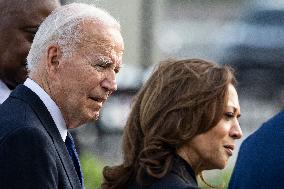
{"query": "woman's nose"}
(236, 131)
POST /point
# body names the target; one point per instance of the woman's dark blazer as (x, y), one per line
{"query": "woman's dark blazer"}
(180, 177)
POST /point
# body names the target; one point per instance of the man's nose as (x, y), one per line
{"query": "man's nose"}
(109, 83)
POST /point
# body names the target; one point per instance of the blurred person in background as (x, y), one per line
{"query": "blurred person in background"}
(19, 22)
(73, 62)
(260, 162)
(184, 120)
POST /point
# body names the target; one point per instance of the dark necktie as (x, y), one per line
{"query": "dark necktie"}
(70, 145)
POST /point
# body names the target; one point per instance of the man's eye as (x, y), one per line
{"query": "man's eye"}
(103, 64)
(116, 70)
(30, 31)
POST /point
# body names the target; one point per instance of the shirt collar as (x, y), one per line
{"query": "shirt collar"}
(50, 105)
(4, 92)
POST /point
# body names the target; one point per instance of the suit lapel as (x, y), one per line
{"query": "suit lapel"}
(24, 93)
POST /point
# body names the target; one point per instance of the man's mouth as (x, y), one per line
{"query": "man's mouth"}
(99, 100)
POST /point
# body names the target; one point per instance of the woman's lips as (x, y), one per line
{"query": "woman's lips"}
(229, 149)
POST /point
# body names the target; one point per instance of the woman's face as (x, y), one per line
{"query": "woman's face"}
(212, 149)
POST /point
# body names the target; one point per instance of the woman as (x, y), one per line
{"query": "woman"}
(184, 120)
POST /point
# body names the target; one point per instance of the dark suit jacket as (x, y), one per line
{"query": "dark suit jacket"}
(180, 177)
(260, 162)
(32, 152)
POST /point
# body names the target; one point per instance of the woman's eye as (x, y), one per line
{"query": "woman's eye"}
(229, 115)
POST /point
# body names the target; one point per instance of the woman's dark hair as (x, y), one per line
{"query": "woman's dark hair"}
(180, 100)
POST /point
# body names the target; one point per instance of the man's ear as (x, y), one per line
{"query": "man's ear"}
(53, 58)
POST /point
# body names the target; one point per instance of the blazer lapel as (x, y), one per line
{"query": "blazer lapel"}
(27, 95)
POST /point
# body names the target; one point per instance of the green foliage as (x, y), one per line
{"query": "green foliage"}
(218, 179)
(92, 170)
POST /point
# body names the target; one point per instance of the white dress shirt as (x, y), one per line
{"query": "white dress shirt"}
(50, 105)
(4, 91)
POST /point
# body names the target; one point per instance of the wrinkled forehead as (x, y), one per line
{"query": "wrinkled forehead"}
(100, 38)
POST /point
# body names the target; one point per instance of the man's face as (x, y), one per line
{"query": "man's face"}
(18, 25)
(88, 78)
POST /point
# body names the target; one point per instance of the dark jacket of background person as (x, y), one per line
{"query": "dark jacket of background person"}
(28, 134)
(181, 176)
(260, 162)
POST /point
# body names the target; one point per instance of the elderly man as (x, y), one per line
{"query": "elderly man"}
(73, 62)
(19, 22)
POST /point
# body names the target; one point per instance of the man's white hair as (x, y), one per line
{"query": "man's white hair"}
(61, 28)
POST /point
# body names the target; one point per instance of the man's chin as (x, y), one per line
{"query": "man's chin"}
(96, 116)
(91, 117)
